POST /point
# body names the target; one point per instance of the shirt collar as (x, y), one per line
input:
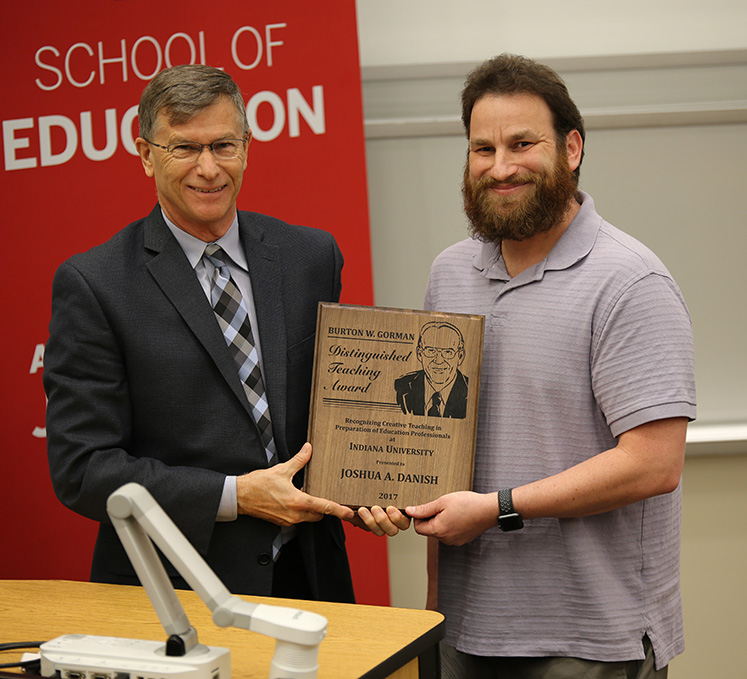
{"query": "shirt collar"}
(194, 248)
(572, 247)
(445, 392)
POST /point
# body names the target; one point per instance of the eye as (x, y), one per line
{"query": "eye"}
(482, 150)
(521, 145)
(185, 151)
(228, 148)
(224, 145)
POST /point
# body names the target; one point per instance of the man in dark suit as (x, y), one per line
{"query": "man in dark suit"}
(439, 389)
(142, 384)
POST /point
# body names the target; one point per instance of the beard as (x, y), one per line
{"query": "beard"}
(495, 218)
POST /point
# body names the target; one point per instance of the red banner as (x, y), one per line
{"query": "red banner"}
(72, 74)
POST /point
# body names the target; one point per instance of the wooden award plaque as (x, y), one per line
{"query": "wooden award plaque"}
(393, 405)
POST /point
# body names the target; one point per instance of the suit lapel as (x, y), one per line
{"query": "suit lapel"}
(417, 394)
(265, 271)
(456, 406)
(174, 275)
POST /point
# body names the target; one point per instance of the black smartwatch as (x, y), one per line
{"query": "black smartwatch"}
(508, 517)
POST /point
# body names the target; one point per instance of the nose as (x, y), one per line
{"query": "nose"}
(503, 166)
(207, 166)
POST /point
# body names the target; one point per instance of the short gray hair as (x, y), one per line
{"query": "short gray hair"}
(181, 92)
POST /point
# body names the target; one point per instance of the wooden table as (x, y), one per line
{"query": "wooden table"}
(370, 642)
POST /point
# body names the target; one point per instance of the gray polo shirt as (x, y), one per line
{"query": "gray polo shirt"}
(583, 346)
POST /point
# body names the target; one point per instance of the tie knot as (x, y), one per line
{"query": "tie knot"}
(435, 408)
(215, 251)
(216, 255)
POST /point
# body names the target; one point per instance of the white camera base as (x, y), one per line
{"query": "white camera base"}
(139, 521)
(79, 656)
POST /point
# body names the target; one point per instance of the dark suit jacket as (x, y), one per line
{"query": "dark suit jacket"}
(142, 388)
(410, 390)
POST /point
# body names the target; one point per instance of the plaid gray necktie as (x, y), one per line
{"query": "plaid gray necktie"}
(233, 319)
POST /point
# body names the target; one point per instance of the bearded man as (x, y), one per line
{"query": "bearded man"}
(564, 559)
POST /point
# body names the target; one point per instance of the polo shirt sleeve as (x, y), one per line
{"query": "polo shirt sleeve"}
(643, 356)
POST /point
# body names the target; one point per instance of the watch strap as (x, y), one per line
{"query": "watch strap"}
(508, 518)
(505, 502)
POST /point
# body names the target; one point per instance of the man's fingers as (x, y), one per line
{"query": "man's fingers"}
(402, 521)
(423, 511)
(299, 460)
(424, 527)
(340, 511)
(381, 522)
(369, 521)
(318, 507)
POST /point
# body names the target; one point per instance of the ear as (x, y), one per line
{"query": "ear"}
(246, 152)
(145, 151)
(573, 146)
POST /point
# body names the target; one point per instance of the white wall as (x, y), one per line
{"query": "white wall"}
(664, 163)
(437, 31)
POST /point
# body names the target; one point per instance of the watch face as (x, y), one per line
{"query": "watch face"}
(508, 522)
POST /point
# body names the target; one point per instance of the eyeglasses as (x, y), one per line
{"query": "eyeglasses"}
(223, 149)
(432, 352)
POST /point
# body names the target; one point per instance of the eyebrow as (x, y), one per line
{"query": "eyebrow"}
(516, 136)
(179, 139)
(479, 141)
(524, 134)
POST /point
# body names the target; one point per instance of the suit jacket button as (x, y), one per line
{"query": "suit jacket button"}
(264, 559)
